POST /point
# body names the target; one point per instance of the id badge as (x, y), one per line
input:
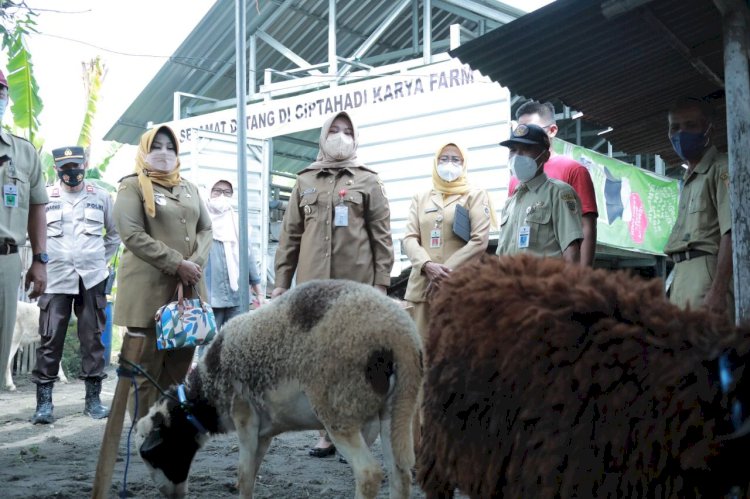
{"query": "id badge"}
(523, 236)
(10, 196)
(341, 215)
(435, 241)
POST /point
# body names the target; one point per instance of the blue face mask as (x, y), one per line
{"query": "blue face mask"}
(690, 145)
(71, 176)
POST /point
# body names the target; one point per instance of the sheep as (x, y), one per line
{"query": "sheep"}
(329, 354)
(544, 379)
(25, 332)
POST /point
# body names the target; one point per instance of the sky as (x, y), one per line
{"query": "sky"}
(134, 38)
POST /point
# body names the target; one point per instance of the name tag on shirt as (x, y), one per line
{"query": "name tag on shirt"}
(435, 238)
(341, 215)
(524, 233)
(10, 196)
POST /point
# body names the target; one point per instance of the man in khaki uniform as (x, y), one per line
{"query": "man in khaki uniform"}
(22, 211)
(543, 217)
(337, 225)
(701, 239)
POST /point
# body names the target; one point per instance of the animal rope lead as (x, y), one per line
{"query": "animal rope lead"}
(186, 407)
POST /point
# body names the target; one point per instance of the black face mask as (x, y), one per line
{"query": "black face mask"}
(71, 176)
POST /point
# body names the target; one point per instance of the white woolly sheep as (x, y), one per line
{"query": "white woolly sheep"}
(25, 333)
(269, 372)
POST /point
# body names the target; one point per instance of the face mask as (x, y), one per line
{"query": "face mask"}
(449, 171)
(689, 145)
(71, 176)
(220, 204)
(340, 145)
(3, 106)
(523, 167)
(162, 161)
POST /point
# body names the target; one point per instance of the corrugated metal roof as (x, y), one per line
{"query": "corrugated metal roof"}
(622, 72)
(204, 62)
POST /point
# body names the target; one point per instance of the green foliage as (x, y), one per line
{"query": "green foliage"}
(93, 76)
(23, 88)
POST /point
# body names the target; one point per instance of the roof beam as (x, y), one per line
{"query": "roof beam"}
(482, 10)
(265, 19)
(285, 51)
(683, 49)
(298, 142)
(389, 19)
(614, 8)
(456, 10)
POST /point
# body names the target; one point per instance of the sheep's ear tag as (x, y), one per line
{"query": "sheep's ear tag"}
(181, 395)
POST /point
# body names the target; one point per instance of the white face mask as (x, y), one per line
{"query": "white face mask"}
(220, 204)
(449, 171)
(162, 161)
(3, 107)
(340, 145)
(523, 167)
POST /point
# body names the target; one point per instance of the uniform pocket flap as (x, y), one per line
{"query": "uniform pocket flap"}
(353, 197)
(54, 216)
(539, 216)
(44, 301)
(94, 215)
(308, 199)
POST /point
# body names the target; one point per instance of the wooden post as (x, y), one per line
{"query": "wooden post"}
(737, 87)
(131, 351)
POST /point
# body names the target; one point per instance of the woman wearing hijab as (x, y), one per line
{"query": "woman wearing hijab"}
(166, 230)
(337, 225)
(223, 269)
(430, 241)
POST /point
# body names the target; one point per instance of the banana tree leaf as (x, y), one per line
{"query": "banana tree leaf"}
(23, 88)
(93, 76)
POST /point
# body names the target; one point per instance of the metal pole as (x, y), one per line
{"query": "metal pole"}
(737, 87)
(252, 70)
(415, 25)
(332, 59)
(240, 23)
(427, 32)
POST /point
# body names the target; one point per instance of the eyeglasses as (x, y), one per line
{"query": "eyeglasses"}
(451, 159)
(222, 192)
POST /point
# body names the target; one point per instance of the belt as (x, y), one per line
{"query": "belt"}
(687, 255)
(8, 248)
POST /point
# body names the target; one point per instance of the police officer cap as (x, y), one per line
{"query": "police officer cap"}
(527, 134)
(71, 154)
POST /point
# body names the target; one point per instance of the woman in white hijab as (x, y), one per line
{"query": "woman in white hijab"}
(223, 269)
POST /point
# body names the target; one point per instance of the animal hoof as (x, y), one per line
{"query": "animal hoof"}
(318, 452)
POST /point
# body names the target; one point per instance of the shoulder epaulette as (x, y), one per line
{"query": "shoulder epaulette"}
(127, 176)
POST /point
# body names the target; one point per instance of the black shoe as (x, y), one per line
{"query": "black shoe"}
(318, 452)
(44, 407)
(94, 407)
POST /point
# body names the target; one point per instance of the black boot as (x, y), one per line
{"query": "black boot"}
(43, 414)
(94, 407)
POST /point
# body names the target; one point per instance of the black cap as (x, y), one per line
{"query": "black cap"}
(527, 134)
(65, 155)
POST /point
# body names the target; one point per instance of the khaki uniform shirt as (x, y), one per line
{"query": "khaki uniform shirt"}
(703, 214)
(81, 238)
(431, 210)
(154, 247)
(551, 211)
(313, 246)
(24, 172)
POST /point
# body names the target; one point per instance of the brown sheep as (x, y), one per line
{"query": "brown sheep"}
(549, 380)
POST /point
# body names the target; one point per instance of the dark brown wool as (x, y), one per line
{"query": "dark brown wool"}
(550, 380)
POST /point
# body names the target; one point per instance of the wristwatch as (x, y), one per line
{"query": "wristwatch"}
(40, 257)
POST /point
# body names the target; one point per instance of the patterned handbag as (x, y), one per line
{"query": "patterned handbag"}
(186, 322)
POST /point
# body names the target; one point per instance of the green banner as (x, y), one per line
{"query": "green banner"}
(637, 208)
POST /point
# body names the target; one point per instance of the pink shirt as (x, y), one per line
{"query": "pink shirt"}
(572, 173)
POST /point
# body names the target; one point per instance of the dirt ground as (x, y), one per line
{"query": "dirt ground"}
(59, 460)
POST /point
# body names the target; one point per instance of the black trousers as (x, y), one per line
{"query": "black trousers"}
(89, 306)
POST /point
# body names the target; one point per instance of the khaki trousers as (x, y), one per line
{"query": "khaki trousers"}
(166, 367)
(10, 278)
(693, 279)
(421, 314)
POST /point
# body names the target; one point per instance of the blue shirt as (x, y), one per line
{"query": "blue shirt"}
(220, 295)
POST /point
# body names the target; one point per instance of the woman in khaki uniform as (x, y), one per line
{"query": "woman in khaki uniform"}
(338, 223)
(430, 243)
(166, 231)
